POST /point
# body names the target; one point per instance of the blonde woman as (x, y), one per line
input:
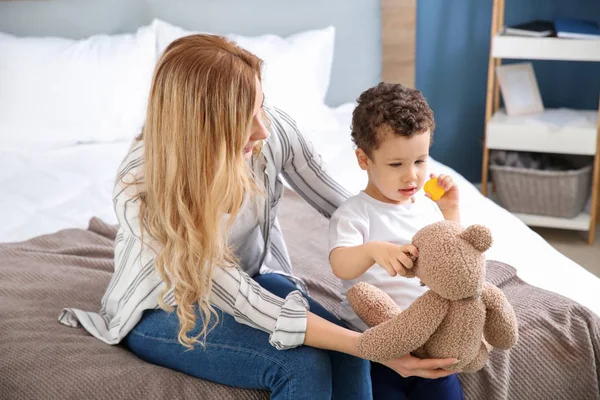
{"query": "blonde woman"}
(203, 282)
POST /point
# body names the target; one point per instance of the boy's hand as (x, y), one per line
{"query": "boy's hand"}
(395, 259)
(449, 200)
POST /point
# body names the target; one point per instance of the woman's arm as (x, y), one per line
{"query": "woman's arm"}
(236, 293)
(291, 325)
(322, 334)
(303, 168)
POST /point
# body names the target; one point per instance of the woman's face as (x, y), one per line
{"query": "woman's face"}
(258, 130)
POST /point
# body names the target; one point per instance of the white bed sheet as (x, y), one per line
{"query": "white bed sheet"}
(46, 190)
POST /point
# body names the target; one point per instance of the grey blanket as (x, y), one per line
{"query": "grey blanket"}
(558, 356)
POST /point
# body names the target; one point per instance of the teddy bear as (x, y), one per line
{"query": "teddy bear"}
(461, 315)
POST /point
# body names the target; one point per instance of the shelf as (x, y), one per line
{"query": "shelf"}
(548, 132)
(547, 48)
(562, 131)
(579, 223)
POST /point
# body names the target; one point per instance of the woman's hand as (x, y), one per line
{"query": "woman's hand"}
(395, 259)
(323, 334)
(429, 368)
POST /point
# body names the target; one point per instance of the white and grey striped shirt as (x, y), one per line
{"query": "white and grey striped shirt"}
(135, 285)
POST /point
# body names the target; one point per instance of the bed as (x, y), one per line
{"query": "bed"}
(56, 212)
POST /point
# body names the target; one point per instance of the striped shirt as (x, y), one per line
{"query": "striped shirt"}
(135, 285)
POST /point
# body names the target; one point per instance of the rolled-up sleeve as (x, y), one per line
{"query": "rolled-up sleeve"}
(236, 293)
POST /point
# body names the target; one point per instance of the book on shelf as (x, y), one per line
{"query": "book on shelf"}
(577, 29)
(537, 28)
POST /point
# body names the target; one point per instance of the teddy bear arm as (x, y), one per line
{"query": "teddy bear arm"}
(406, 332)
(372, 305)
(501, 329)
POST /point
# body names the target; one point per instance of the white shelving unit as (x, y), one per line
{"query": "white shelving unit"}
(580, 135)
(545, 48)
(579, 223)
(535, 133)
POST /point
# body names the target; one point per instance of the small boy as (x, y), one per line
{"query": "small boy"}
(370, 234)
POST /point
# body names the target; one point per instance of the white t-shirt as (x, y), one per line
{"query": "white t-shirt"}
(362, 219)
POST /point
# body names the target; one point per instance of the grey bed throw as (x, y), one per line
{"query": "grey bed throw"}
(558, 356)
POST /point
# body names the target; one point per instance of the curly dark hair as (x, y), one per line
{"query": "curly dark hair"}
(404, 110)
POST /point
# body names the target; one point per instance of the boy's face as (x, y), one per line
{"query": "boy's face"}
(398, 168)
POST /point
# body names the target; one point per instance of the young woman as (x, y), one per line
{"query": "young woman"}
(196, 201)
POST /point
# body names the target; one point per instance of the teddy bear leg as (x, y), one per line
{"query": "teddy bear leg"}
(371, 304)
(480, 359)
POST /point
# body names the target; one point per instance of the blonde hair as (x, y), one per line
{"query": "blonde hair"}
(198, 120)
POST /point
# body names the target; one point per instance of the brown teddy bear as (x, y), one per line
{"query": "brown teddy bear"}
(460, 315)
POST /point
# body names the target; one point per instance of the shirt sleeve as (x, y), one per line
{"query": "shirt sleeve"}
(236, 293)
(304, 169)
(347, 227)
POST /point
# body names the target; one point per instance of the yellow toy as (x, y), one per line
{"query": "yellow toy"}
(435, 191)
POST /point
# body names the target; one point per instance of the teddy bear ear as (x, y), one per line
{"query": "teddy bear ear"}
(478, 236)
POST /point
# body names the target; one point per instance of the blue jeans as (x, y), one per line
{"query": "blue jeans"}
(388, 385)
(241, 356)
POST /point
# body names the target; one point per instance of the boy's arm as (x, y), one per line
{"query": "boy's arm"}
(352, 254)
(352, 261)
(451, 214)
(349, 250)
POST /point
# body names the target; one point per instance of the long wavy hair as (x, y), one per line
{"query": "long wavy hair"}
(199, 118)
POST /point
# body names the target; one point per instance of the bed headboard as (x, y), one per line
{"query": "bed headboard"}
(358, 55)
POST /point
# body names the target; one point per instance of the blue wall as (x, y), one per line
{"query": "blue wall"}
(453, 41)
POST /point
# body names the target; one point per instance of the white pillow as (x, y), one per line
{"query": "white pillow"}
(297, 69)
(57, 91)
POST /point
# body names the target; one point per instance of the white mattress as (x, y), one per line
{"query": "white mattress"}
(43, 191)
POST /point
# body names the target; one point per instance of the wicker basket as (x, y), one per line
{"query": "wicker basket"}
(542, 192)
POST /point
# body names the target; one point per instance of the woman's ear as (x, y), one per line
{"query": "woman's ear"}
(362, 158)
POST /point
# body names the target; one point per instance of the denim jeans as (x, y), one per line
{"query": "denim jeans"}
(388, 385)
(241, 356)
